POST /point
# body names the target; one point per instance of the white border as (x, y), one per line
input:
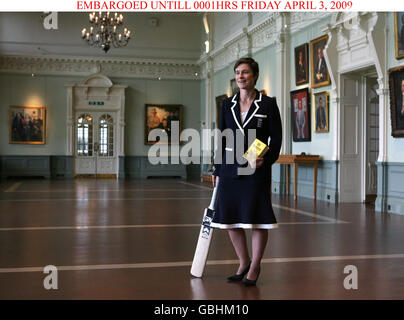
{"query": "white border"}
(244, 226)
(188, 6)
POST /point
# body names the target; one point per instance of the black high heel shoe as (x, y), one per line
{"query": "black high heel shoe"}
(239, 277)
(250, 283)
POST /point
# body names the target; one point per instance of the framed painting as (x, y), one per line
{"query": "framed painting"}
(219, 101)
(233, 86)
(302, 64)
(319, 71)
(300, 106)
(27, 125)
(321, 112)
(396, 87)
(160, 117)
(399, 34)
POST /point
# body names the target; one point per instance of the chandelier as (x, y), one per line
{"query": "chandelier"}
(104, 31)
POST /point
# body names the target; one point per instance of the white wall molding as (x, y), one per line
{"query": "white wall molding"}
(358, 40)
(96, 86)
(260, 35)
(301, 20)
(112, 67)
(282, 43)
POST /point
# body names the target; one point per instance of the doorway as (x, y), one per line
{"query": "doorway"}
(95, 147)
(95, 126)
(359, 136)
(372, 137)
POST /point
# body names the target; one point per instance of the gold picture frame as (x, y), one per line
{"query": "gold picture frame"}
(321, 111)
(27, 124)
(160, 116)
(396, 89)
(319, 71)
(302, 64)
(399, 34)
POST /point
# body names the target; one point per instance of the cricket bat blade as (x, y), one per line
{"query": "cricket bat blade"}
(202, 247)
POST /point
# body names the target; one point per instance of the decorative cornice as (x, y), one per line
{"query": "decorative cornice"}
(262, 34)
(83, 66)
(301, 20)
(262, 24)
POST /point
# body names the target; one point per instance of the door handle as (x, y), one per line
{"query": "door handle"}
(96, 146)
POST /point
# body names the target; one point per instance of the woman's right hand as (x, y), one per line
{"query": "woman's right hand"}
(214, 180)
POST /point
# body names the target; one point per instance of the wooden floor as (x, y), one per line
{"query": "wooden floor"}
(135, 239)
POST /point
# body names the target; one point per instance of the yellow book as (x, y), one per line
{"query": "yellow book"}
(256, 150)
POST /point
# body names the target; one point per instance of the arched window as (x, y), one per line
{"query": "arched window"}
(85, 135)
(106, 136)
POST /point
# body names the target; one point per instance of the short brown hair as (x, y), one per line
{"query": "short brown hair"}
(251, 62)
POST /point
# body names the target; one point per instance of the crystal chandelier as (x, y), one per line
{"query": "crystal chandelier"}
(104, 31)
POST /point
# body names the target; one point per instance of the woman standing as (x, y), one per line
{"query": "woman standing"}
(244, 199)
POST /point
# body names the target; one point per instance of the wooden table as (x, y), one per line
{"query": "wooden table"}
(297, 159)
(206, 177)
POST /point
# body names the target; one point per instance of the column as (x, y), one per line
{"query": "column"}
(69, 121)
(283, 72)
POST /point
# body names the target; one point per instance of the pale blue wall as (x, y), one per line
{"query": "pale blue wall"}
(321, 143)
(50, 91)
(221, 81)
(267, 80)
(24, 90)
(141, 92)
(266, 59)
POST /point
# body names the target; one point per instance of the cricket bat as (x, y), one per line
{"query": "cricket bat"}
(205, 236)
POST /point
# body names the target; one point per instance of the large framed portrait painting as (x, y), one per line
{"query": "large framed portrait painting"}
(399, 34)
(319, 71)
(300, 101)
(27, 125)
(161, 118)
(396, 87)
(301, 64)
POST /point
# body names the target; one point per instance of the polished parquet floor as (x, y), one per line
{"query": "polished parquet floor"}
(135, 239)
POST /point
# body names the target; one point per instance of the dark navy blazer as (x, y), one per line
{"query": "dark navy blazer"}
(264, 117)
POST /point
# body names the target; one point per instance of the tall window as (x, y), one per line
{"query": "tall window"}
(106, 136)
(85, 135)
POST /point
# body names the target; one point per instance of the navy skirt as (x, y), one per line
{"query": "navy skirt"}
(244, 203)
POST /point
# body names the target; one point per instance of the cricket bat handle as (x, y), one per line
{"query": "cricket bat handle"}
(213, 200)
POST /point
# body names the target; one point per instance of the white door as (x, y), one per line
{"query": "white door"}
(351, 139)
(95, 143)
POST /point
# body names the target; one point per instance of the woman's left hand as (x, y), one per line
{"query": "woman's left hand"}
(258, 163)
